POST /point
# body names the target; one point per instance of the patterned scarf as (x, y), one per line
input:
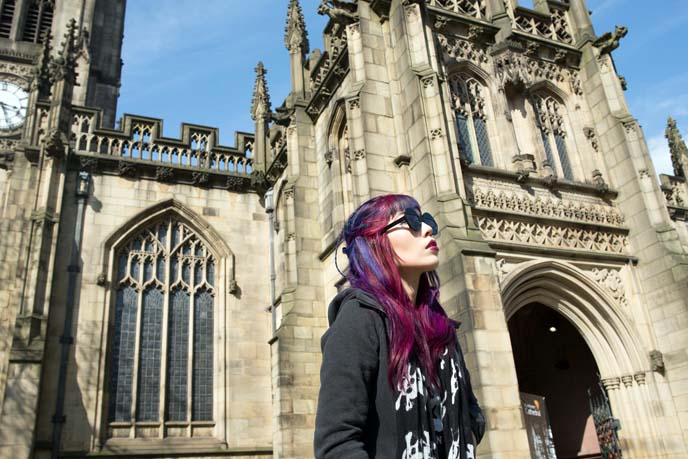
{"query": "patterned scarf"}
(434, 425)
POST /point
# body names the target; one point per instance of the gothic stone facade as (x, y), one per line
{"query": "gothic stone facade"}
(167, 296)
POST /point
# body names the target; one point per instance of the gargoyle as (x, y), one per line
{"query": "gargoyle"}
(609, 41)
(340, 11)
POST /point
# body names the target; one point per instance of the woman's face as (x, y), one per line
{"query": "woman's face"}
(415, 250)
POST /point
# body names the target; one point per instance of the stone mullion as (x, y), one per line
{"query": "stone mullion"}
(137, 350)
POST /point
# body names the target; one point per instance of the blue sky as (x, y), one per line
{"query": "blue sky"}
(192, 64)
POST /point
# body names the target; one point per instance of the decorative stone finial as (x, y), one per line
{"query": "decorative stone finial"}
(64, 64)
(677, 148)
(295, 34)
(260, 104)
(609, 41)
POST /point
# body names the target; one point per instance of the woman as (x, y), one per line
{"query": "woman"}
(393, 380)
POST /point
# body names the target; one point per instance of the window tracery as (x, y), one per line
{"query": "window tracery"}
(470, 108)
(550, 123)
(162, 345)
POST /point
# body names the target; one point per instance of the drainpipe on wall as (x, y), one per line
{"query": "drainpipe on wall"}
(83, 182)
(270, 209)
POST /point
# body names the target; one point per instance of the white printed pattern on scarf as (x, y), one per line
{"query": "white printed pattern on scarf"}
(419, 449)
(412, 386)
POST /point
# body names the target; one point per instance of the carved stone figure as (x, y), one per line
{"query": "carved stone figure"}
(609, 41)
(340, 11)
(677, 148)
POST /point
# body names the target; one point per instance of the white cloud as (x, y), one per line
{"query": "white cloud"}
(659, 152)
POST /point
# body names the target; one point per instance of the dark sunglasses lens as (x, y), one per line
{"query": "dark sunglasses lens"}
(413, 219)
(430, 221)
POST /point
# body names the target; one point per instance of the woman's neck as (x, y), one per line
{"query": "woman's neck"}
(410, 282)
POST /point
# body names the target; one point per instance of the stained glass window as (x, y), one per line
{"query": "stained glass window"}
(165, 290)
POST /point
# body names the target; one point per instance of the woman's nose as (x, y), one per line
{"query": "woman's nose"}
(425, 230)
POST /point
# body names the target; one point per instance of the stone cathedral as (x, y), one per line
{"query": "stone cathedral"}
(165, 297)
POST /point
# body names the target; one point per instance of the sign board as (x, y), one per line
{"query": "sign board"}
(537, 425)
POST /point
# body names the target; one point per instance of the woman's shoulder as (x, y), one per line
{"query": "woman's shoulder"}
(354, 302)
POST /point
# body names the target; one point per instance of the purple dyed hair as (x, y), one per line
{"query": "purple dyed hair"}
(418, 332)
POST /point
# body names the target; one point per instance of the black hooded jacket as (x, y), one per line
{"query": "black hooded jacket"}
(355, 417)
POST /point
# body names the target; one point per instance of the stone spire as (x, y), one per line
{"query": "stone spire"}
(677, 148)
(295, 34)
(64, 65)
(260, 104)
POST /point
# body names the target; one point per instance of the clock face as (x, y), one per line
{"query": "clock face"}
(13, 100)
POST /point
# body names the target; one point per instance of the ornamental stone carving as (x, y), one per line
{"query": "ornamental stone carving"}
(610, 280)
(551, 235)
(538, 206)
(295, 34)
(462, 50)
(164, 174)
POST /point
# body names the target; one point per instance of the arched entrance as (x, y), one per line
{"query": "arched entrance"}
(554, 362)
(595, 323)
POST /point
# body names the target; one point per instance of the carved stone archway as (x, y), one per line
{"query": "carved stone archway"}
(610, 335)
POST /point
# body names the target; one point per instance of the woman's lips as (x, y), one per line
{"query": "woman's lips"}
(432, 245)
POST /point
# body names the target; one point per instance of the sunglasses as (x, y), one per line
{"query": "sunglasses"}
(414, 220)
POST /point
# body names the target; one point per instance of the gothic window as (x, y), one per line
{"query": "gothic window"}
(470, 109)
(338, 196)
(6, 15)
(551, 125)
(39, 18)
(162, 345)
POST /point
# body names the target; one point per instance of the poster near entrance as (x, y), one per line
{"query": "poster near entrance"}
(537, 425)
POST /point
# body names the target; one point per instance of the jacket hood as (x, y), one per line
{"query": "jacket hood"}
(345, 295)
(364, 298)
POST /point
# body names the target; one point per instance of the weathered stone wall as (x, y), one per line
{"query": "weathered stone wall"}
(242, 326)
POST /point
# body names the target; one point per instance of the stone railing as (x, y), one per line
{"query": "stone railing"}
(138, 148)
(141, 138)
(474, 8)
(676, 194)
(553, 26)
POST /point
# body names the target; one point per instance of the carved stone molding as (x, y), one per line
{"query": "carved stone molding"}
(200, 178)
(525, 204)
(610, 280)
(235, 183)
(164, 174)
(291, 236)
(329, 157)
(289, 193)
(436, 134)
(516, 68)
(657, 361)
(611, 383)
(101, 280)
(627, 380)
(359, 154)
(515, 231)
(591, 135)
(428, 81)
(462, 50)
(644, 173)
(640, 378)
(126, 169)
(88, 164)
(354, 103)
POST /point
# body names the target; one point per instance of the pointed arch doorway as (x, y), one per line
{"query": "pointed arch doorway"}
(594, 337)
(554, 362)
